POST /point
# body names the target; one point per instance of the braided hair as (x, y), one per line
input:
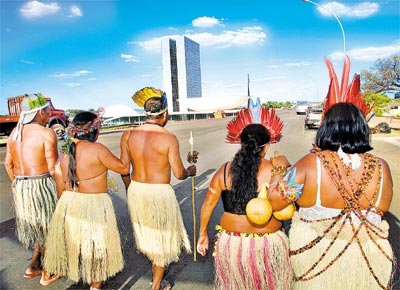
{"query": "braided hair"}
(246, 163)
(81, 119)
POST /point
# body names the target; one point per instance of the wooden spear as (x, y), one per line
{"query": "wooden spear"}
(193, 203)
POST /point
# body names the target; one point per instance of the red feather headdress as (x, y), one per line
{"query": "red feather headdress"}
(344, 93)
(255, 114)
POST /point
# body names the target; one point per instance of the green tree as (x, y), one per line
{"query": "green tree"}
(381, 102)
(383, 76)
(72, 112)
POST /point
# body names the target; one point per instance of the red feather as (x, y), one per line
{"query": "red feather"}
(273, 124)
(236, 126)
(346, 93)
(244, 117)
(345, 78)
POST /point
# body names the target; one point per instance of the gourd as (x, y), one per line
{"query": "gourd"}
(259, 209)
(286, 213)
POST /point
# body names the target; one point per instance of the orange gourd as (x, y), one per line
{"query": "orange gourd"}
(259, 209)
(286, 213)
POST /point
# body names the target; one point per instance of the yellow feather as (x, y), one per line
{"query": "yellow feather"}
(141, 96)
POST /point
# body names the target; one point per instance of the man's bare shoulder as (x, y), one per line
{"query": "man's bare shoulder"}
(45, 132)
(154, 132)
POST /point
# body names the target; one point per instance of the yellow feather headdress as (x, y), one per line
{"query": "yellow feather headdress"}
(141, 96)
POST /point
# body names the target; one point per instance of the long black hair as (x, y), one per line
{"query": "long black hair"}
(81, 119)
(246, 163)
(344, 126)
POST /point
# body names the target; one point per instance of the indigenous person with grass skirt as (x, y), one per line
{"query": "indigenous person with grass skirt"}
(31, 155)
(154, 210)
(251, 252)
(338, 239)
(84, 241)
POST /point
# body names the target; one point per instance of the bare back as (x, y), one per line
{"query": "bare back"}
(330, 196)
(36, 154)
(92, 161)
(154, 152)
(236, 222)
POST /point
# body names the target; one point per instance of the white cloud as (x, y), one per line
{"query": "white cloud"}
(244, 36)
(206, 22)
(92, 79)
(268, 79)
(153, 44)
(146, 75)
(368, 53)
(71, 75)
(36, 9)
(27, 61)
(297, 64)
(75, 11)
(73, 85)
(129, 58)
(360, 10)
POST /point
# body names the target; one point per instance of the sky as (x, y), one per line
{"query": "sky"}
(91, 53)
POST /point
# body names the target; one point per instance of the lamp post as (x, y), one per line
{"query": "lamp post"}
(334, 15)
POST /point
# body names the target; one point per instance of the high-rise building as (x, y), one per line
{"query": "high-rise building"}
(181, 72)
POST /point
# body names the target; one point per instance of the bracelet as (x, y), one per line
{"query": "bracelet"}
(278, 170)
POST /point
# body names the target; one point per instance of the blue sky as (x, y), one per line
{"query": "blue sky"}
(86, 54)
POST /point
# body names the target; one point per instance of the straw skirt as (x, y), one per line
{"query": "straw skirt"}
(252, 262)
(350, 270)
(34, 201)
(157, 222)
(84, 241)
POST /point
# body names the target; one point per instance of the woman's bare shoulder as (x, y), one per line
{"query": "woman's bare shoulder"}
(306, 159)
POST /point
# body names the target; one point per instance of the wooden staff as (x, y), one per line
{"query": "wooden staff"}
(193, 203)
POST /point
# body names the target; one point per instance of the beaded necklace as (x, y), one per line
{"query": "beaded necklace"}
(352, 200)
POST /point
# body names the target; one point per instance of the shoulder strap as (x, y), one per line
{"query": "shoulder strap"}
(319, 170)
(378, 200)
(225, 174)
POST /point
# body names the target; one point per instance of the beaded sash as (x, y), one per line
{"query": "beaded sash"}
(352, 199)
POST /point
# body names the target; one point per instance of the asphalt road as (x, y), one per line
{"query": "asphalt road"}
(186, 274)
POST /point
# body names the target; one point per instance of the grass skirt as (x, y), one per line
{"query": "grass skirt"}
(252, 262)
(84, 241)
(157, 222)
(350, 270)
(34, 201)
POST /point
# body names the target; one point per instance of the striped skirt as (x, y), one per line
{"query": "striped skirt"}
(34, 199)
(252, 261)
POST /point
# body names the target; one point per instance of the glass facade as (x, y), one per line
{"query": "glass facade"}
(192, 67)
(181, 72)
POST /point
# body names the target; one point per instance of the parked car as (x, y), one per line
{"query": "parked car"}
(301, 109)
(313, 117)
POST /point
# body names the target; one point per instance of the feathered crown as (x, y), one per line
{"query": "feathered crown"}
(344, 93)
(255, 114)
(141, 96)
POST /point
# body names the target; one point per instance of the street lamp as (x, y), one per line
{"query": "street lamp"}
(334, 15)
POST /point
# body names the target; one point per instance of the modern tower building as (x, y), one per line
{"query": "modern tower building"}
(181, 72)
